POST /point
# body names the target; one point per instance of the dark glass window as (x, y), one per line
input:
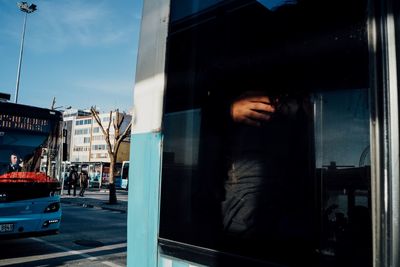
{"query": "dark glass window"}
(266, 131)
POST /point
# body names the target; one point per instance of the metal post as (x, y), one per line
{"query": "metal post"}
(20, 60)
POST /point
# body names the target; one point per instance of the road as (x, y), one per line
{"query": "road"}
(88, 237)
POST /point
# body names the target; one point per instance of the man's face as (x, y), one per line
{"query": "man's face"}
(14, 159)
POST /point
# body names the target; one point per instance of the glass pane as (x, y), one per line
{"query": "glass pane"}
(29, 151)
(343, 175)
(27, 144)
(266, 131)
(182, 8)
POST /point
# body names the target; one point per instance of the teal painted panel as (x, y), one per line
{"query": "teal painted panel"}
(143, 199)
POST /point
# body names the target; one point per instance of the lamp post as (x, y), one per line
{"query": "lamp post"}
(27, 9)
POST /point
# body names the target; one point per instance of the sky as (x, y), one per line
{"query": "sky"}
(82, 52)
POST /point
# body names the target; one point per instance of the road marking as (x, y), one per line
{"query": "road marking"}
(108, 263)
(67, 252)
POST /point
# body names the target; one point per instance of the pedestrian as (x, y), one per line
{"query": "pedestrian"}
(72, 180)
(84, 180)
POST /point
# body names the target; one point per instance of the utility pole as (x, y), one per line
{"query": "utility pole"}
(27, 9)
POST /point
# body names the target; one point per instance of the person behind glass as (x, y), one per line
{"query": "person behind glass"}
(266, 195)
(72, 180)
(84, 181)
(14, 166)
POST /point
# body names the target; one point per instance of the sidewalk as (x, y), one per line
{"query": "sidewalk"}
(97, 199)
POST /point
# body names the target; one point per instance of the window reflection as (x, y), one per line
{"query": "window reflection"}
(343, 172)
(266, 131)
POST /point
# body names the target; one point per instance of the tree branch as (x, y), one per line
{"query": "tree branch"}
(109, 121)
(106, 133)
(115, 120)
(120, 123)
(125, 133)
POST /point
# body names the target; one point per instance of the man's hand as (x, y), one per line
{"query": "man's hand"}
(252, 110)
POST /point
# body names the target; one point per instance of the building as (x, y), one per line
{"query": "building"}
(86, 141)
(69, 117)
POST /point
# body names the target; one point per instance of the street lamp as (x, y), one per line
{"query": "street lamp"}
(27, 9)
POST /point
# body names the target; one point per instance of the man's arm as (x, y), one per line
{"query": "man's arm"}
(252, 110)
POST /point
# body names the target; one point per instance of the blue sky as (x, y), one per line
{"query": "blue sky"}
(83, 52)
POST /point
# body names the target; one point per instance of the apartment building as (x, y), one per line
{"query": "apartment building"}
(87, 143)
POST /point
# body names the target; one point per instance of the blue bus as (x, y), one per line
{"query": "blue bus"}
(30, 167)
(125, 175)
(266, 134)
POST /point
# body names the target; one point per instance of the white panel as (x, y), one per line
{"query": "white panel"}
(148, 104)
(166, 262)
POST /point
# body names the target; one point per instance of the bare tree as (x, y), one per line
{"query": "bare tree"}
(113, 147)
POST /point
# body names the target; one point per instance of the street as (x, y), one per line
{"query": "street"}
(88, 237)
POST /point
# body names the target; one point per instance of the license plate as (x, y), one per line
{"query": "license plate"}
(6, 227)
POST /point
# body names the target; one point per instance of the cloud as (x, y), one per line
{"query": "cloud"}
(59, 25)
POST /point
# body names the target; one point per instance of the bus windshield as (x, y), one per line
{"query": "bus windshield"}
(29, 144)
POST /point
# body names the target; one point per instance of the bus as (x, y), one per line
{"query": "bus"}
(30, 170)
(97, 172)
(266, 134)
(125, 175)
(121, 175)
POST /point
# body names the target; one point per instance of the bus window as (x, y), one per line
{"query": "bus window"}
(124, 175)
(266, 131)
(28, 150)
(343, 186)
(125, 170)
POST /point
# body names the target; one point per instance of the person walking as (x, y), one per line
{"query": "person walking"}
(72, 180)
(84, 180)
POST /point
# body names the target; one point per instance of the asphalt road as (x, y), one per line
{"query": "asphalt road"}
(88, 237)
(102, 194)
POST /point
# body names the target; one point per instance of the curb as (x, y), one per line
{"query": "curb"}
(85, 205)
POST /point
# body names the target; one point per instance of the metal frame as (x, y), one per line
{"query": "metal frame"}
(384, 134)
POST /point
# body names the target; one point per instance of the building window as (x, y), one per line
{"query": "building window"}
(81, 148)
(81, 131)
(99, 147)
(98, 138)
(86, 140)
(83, 122)
(96, 129)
